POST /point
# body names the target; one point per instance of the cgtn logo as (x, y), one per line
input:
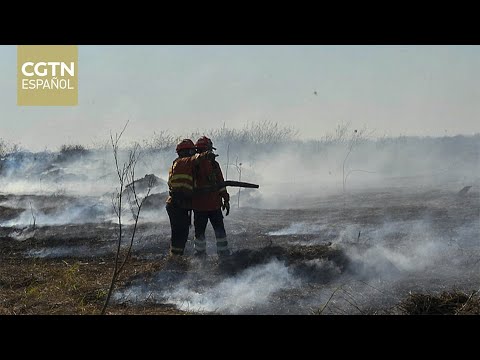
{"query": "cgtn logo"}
(48, 75)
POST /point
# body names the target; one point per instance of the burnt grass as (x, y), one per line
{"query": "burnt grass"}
(293, 256)
(67, 286)
(453, 302)
(37, 278)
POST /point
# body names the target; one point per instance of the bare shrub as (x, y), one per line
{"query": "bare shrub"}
(126, 174)
(258, 133)
(161, 141)
(68, 152)
(73, 149)
(8, 148)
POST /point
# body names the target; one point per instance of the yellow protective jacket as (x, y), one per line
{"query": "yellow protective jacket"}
(180, 182)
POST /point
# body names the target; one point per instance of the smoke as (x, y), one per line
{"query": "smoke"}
(301, 228)
(22, 235)
(397, 250)
(233, 295)
(288, 173)
(326, 268)
(467, 235)
(80, 251)
(89, 173)
(291, 173)
(402, 249)
(41, 211)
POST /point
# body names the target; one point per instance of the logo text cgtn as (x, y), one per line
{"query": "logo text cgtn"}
(47, 69)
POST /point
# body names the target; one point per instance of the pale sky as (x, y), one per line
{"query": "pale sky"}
(392, 90)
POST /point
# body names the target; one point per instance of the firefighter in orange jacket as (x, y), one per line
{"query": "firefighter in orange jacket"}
(179, 201)
(208, 201)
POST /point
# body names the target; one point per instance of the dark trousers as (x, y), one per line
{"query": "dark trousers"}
(201, 220)
(179, 223)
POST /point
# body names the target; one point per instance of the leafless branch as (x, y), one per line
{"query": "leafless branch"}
(353, 303)
(466, 302)
(125, 172)
(238, 166)
(33, 215)
(329, 299)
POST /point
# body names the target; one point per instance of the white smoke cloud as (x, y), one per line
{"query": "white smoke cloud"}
(73, 213)
(61, 251)
(300, 228)
(234, 295)
(324, 265)
(395, 248)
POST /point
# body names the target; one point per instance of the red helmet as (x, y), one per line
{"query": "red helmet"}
(185, 144)
(204, 143)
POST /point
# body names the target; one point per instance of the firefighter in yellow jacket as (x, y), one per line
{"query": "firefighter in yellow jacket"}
(179, 201)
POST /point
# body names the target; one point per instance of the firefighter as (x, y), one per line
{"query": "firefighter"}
(179, 201)
(208, 201)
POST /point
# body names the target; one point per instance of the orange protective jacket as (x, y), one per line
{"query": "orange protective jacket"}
(207, 174)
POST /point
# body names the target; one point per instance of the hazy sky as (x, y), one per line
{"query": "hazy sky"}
(393, 90)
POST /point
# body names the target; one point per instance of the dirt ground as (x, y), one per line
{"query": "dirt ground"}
(320, 257)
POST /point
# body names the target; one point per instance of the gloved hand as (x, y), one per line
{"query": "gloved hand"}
(226, 206)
